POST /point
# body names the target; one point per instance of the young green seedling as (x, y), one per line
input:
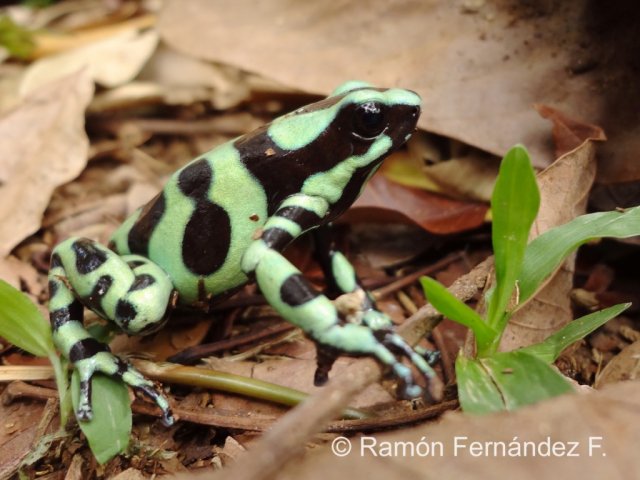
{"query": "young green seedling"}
(492, 380)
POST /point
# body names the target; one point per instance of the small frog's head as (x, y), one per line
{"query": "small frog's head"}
(339, 142)
(371, 113)
(355, 120)
(330, 148)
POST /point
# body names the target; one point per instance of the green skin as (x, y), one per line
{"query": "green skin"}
(222, 221)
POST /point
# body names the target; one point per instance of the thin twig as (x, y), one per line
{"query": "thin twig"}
(407, 280)
(194, 354)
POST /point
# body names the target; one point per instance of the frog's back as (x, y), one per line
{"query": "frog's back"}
(200, 224)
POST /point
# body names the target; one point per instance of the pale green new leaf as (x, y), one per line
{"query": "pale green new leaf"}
(553, 346)
(452, 308)
(506, 381)
(477, 392)
(22, 324)
(109, 431)
(514, 206)
(547, 252)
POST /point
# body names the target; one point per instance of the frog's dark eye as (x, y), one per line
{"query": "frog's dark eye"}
(369, 119)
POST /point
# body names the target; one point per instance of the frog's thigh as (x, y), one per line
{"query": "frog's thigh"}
(130, 291)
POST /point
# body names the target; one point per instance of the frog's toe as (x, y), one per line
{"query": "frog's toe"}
(407, 388)
(431, 356)
(84, 412)
(396, 343)
(86, 368)
(326, 356)
(154, 393)
(139, 382)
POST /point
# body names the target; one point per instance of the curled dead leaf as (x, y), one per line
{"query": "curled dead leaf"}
(43, 144)
(384, 200)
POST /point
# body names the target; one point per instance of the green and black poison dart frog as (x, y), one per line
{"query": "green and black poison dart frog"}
(223, 220)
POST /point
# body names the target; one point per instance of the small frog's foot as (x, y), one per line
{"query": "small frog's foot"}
(84, 412)
(408, 389)
(382, 344)
(137, 381)
(431, 356)
(108, 364)
(152, 391)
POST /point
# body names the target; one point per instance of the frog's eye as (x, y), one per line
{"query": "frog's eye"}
(369, 119)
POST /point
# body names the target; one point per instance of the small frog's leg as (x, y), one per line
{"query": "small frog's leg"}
(341, 278)
(130, 290)
(290, 294)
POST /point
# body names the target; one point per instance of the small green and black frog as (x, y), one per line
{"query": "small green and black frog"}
(222, 221)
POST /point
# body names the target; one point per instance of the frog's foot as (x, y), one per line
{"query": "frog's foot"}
(383, 344)
(431, 356)
(398, 345)
(422, 359)
(107, 363)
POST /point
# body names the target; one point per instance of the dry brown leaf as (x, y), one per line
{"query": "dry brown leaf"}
(70, 15)
(186, 79)
(568, 133)
(14, 271)
(610, 418)
(77, 469)
(232, 450)
(384, 200)
(18, 433)
(469, 177)
(10, 78)
(564, 189)
(624, 366)
(53, 43)
(130, 474)
(466, 173)
(110, 62)
(290, 372)
(479, 70)
(42, 145)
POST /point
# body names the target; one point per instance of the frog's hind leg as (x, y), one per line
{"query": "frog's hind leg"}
(130, 291)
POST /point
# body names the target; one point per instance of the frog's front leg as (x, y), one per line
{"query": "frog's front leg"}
(361, 305)
(292, 296)
(129, 290)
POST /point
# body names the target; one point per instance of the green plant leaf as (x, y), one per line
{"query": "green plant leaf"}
(109, 431)
(22, 324)
(477, 392)
(547, 252)
(452, 308)
(514, 206)
(15, 38)
(551, 348)
(506, 381)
